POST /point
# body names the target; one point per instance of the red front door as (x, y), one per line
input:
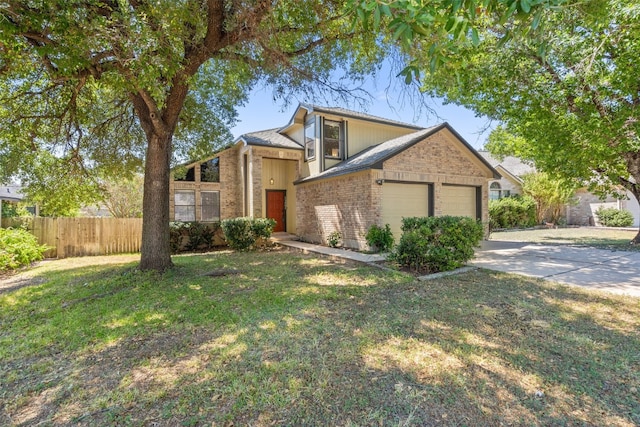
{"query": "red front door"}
(276, 209)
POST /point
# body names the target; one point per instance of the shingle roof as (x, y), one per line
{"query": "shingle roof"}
(270, 138)
(511, 164)
(343, 112)
(375, 154)
(11, 193)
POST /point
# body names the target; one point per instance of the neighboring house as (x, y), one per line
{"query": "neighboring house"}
(332, 169)
(512, 169)
(13, 194)
(581, 212)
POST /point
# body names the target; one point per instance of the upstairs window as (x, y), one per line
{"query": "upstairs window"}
(333, 139)
(310, 140)
(184, 174)
(210, 170)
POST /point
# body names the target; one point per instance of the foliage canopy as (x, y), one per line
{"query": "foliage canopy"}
(569, 96)
(104, 84)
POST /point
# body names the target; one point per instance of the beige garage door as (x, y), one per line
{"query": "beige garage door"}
(403, 200)
(459, 201)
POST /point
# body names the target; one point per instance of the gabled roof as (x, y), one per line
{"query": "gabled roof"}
(269, 138)
(343, 112)
(510, 164)
(373, 157)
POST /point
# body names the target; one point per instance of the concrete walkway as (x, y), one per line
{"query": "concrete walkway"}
(612, 271)
(332, 252)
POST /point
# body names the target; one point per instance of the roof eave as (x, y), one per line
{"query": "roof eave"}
(367, 119)
(333, 175)
(292, 120)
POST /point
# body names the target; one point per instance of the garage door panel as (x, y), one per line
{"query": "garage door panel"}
(403, 200)
(459, 201)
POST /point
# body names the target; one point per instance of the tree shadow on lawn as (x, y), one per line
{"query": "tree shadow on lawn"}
(304, 342)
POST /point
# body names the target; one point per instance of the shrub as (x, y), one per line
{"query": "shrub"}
(612, 217)
(18, 248)
(512, 212)
(380, 239)
(176, 236)
(245, 233)
(191, 236)
(433, 244)
(334, 239)
(200, 235)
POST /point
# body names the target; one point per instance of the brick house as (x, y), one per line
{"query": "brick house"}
(332, 169)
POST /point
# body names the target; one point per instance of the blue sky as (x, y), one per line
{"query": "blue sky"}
(262, 112)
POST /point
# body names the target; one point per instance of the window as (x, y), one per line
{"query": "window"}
(310, 140)
(210, 205)
(210, 170)
(332, 139)
(185, 206)
(183, 174)
(496, 192)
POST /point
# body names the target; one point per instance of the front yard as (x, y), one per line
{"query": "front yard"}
(282, 338)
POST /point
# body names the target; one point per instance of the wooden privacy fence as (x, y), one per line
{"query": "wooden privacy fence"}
(70, 237)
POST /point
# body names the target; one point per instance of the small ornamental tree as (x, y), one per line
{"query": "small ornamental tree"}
(551, 195)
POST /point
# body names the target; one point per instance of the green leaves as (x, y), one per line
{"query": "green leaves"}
(417, 25)
(565, 90)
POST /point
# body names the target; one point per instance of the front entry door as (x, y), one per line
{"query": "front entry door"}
(276, 209)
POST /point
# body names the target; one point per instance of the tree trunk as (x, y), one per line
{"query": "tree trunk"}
(156, 252)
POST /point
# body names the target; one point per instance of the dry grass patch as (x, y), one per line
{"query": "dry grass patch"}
(297, 340)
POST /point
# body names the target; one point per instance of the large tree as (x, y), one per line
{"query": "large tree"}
(99, 83)
(570, 96)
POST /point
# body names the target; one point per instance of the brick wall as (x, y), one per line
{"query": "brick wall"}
(350, 204)
(230, 184)
(440, 159)
(344, 204)
(583, 211)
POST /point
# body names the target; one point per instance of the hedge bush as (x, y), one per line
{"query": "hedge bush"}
(434, 244)
(192, 236)
(612, 217)
(18, 248)
(512, 212)
(380, 239)
(246, 233)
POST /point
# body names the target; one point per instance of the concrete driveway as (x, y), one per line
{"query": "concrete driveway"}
(612, 271)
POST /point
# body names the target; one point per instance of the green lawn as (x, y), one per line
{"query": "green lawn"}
(292, 339)
(604, 238)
